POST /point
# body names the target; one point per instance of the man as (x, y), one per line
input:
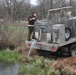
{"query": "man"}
(31, 21)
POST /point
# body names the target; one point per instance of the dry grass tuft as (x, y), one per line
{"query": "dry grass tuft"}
(68, 65)
(12, 34)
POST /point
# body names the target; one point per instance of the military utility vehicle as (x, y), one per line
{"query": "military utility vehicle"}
(57, 33)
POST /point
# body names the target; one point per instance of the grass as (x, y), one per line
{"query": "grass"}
(17, 34)
(8, 57)
(23, 69)
(41, 66)
(13, 34)
(32, 65)
(38, 66)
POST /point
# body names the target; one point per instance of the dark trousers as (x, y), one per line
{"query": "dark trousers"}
(31, 32)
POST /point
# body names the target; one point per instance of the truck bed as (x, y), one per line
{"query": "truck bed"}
(72, 40)
(51, 46)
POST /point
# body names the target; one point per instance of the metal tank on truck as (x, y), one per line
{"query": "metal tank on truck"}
(57, 33)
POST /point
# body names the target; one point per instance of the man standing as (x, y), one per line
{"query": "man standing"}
(31, 21)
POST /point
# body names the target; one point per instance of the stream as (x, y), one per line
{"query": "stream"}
(9, 69)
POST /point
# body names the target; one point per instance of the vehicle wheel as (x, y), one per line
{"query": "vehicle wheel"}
(67, 34)
(72, 50)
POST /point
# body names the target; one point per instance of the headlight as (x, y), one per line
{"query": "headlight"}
(36, 35)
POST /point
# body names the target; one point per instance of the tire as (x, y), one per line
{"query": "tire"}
(67, 34)
(72, 50)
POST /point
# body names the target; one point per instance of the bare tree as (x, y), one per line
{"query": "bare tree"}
(20, 9)
(14, 9)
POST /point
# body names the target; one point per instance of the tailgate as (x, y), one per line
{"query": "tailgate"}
(43, 46)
